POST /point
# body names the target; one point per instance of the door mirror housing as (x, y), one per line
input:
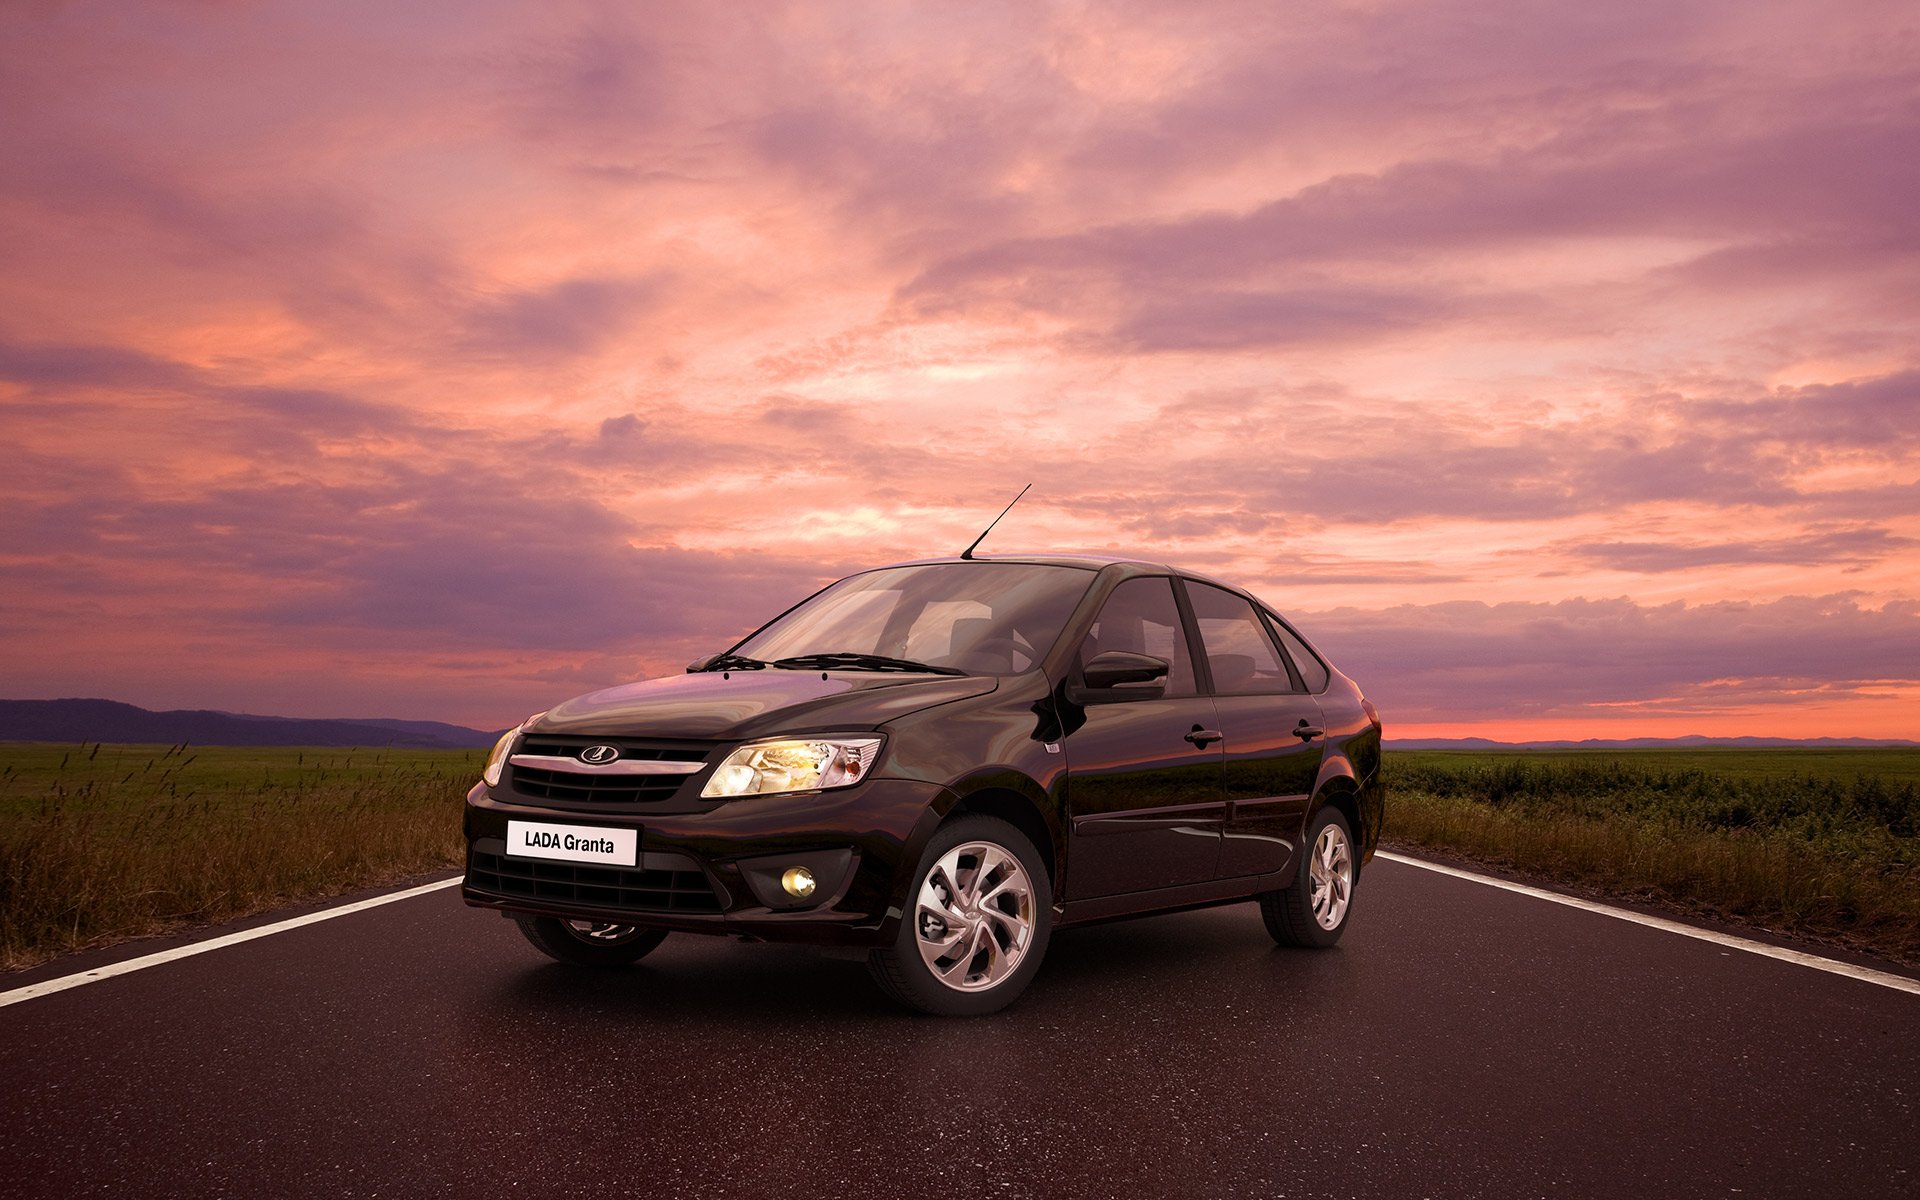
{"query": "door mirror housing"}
(1124, 675)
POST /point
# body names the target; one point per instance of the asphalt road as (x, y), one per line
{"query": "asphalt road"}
(1462, 1041)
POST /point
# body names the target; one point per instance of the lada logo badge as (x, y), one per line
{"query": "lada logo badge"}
(595, 755)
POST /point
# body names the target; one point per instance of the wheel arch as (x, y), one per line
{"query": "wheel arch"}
(1341, 792)
(1025, 809)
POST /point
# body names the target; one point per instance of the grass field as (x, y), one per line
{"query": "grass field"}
(101, 843)
(1813, 842)
(1890, 764)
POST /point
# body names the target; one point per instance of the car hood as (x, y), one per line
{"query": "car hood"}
(717, 705)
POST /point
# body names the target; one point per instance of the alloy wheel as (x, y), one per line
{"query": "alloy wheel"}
(974, 917)
(1330, 873)
(600, 933)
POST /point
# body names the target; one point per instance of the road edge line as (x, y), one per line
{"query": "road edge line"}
(1898, 983)
(48, 987)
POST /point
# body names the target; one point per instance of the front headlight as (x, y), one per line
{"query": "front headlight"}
(794, 765)
(497, 760)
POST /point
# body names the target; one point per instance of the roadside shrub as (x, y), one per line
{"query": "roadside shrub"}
(103, 843)
(1828, 854)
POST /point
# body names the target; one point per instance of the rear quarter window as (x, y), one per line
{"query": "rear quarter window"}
(1313, 672)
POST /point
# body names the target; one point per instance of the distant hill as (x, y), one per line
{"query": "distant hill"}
(111, 721)
(1688, 742)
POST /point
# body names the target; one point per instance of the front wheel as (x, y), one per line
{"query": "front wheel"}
(978, 917)
(590, 943)
(1314, 910)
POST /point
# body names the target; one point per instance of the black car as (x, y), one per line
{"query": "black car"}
(934, 765)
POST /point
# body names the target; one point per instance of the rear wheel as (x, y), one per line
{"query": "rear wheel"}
(976, 926)
(1314, 910)
(590, 943)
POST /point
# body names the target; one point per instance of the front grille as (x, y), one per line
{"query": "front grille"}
(567, 747)
(683, 889)
(581, 788)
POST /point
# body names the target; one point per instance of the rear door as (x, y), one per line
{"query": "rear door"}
(1274, 735)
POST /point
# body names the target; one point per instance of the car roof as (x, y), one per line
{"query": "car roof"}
(1086, 562)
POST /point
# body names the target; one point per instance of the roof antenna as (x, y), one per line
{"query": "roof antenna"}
(968, 552)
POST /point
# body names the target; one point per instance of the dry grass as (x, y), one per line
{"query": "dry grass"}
(1830, 852)
(102, 843)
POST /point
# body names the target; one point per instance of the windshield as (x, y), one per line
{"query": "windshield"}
(982, 618)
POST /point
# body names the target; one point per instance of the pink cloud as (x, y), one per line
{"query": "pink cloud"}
(1462, 664)
(466, 359)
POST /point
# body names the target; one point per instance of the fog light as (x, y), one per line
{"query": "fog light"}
(798, 882)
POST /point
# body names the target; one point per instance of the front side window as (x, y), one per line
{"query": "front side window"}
(1240, 654)
(1141, 616)
(983, 618)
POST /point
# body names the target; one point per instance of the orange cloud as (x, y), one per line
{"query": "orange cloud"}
(447, 364)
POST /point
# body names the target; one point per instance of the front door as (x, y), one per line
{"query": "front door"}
(1145, 798)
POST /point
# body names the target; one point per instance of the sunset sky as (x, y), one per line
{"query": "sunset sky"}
(1556, 366)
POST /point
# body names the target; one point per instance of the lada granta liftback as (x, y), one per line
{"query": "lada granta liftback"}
(936, 765)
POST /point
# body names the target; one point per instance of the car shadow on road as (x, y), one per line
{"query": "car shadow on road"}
(1186, 958)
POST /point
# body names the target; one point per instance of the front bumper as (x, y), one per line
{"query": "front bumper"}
(715, 871)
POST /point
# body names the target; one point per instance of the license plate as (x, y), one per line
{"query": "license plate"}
(573, 843)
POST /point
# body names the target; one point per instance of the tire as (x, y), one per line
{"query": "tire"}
(1291, 913)
(1002, 940)
(590, 943)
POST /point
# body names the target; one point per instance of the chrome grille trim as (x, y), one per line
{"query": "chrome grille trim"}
(620, 766)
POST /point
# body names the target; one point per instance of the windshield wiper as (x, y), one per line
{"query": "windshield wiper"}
(847, 660)
(726, 662)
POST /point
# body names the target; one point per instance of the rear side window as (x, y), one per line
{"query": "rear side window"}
(1141, 616)
(1239, 651)
(1313, 672)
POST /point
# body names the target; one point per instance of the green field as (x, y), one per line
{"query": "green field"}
(101, 843)
(1814, 842)
(1890, 764)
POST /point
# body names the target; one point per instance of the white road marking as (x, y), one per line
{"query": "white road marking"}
(1898, 983)
(50, 986)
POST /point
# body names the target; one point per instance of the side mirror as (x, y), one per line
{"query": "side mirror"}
(1123, 675)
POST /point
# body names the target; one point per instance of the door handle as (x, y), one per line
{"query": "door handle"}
(1306, 732)
(1200, 737)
